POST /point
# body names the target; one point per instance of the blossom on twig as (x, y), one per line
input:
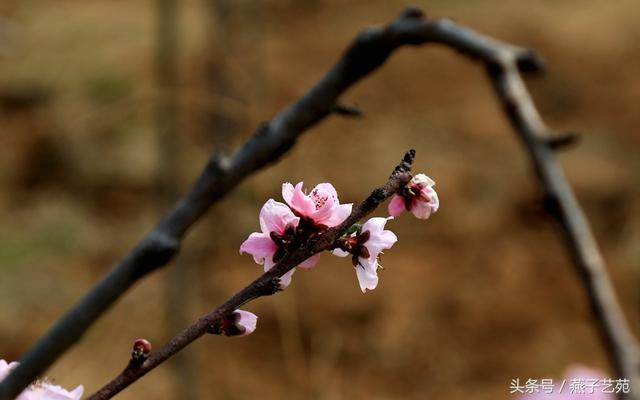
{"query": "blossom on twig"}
(418, 197)
(365, 246)
(278, 230)
(321, 205)
(41, 390)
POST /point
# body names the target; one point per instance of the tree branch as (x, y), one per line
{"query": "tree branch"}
(619, 341)
(370, 49)
(265, 285)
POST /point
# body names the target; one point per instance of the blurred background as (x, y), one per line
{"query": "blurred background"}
(109, 110)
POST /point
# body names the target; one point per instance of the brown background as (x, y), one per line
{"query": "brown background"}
(481, 293)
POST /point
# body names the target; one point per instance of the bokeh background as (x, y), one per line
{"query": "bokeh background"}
(481, 293)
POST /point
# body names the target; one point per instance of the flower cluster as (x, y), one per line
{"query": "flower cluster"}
(283, 227)
(41, 390)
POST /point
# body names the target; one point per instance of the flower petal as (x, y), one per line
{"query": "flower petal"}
(48, 391)
(396, 205)
(246, 320)
(367, 277)
(285, 280)
(375, 225)
(337, 216)
(340, 253)
(259, 246)
(5, 368)
(423, 180)
(297, 200)
(421, 209)
(434, 201)
(381, 241)
(275, 216)
(310, 262)
(326, 189)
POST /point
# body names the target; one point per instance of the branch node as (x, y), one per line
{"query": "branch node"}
(348, 110)
(530, 61)
(413, 12)
(156, 250)
(563, 140)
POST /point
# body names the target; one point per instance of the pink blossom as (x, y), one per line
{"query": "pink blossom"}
(365, 247)
(418, 196)
(278, 227)
(5, 368)
(41, 390)
(247, 321)
(238, 323)
(582, 378)
(321, 205)
(47, 391)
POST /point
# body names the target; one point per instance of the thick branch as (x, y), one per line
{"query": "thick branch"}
(265, 285)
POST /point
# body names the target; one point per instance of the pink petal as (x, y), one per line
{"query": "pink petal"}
(297, 200)
(396, 206)
(287, 192)
(310, 262)
(274, 217)
(422, 180)
(76, 393)
(325, 210)
(325, 199)
(379, 238)
(340, 253)
(434, 202)
(6, 368)
(328, 190)
(47, 391)
(247, 320)
(285, 280)
(367, 277)
(375, 225)
(379, 242)
(420, 209)
(338, 215)
(259, 246)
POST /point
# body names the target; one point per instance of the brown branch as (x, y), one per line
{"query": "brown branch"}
(370, 49)
(619, 341)
(265, 285)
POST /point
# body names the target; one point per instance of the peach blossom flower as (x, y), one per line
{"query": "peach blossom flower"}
(41, 390)
(277, 230)
(365, 247)
(321, 205)
(418, 196)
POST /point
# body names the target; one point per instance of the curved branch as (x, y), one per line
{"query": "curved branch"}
(265, 285)
(620, 343)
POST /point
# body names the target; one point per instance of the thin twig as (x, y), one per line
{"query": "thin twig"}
(265, 285)
(370, 49)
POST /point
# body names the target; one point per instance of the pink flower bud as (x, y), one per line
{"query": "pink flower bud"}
(239, 323)
(418, 197)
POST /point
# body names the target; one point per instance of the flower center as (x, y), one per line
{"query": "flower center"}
(283, 241)
(319, 199)
(355, 246)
